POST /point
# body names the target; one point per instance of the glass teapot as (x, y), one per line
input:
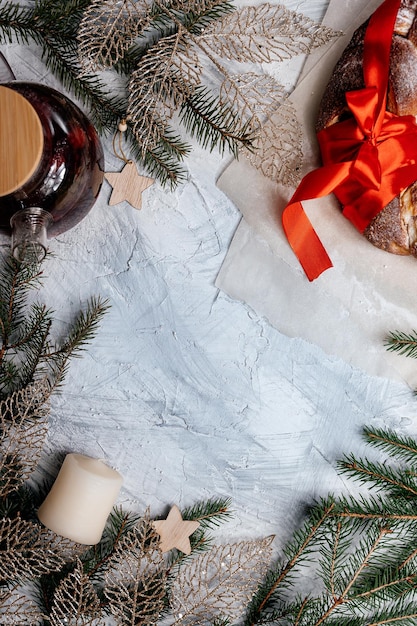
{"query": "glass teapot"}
(51, 164)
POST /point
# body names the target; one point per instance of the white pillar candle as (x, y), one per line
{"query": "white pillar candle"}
(81, 499)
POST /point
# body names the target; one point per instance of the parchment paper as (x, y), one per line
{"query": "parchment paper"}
(349, 310)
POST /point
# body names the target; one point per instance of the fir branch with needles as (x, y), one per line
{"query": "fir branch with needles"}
(216, 124)
(23, 329)
(403, 448)
(96, 558)
(83, 330)
(209, 514)
(80, 39)
(360, 553)
(351, 562)
(365, 558)
(26, 353)
(267, 604)
(396, 481)
(52, 26)
(373, 508)
(402, 343)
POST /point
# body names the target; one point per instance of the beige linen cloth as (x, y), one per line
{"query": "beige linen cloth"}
(349, 310)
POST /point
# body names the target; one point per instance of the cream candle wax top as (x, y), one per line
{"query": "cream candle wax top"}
(81, 499)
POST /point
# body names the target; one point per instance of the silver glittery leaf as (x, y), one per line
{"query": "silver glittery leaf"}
(254, 96)
(219, 582)
(107, 30)
(166, 75)
(18, 610)
(76, 602)
(277, 150)
(264, 33)
(23, 429)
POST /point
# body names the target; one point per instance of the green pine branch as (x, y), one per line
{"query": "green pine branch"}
(26, 353)
(22, 502)
(210, 513)
(364, 560)
(197, 22)
(162, 25)
(216, 124)
(33, 341)
(53, 26)
(397, 481)
(119, 524)
(369, 508)
(396, 446)
(16, 282)
(16, 23)
(83, 330)
(269, 599)
(23, 328)
(402, 343)
(105, 110)
(164, 161)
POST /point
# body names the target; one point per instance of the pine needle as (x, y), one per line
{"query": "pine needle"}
(78, 39)
(403, 343)
(216, 124)
(82, 332)
(394, 445)
(211, 513)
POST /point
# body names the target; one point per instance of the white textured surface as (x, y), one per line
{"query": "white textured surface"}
(366, 292)
(188, 393)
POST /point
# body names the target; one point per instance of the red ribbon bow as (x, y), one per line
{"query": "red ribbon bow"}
(368, 159)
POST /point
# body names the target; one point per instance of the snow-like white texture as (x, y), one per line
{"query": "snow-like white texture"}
(188, 393)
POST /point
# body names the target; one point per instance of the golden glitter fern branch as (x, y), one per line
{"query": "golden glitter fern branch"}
(264, 33)
(76, 598)
(107, 30)
(219, 582)
(23, 430)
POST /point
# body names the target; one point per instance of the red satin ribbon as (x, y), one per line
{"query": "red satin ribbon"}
(367, 160)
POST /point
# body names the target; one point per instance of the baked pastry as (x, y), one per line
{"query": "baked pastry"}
(394, 229)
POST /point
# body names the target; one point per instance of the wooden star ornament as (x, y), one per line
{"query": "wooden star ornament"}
(175, 532)
(128, 185)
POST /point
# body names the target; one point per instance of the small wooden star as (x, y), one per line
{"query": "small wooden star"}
(128, 185)
(175, 532)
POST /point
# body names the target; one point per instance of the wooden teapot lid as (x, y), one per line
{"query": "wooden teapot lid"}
(21, 140)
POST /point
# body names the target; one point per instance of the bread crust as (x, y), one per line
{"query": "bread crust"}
(394, 228)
